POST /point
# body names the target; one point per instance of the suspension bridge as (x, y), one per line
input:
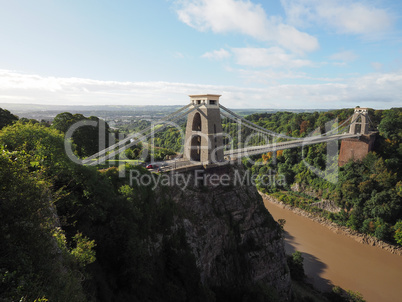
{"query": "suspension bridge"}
(206, 143)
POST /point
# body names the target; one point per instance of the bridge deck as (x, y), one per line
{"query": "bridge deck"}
(254, 150)
(184, 164)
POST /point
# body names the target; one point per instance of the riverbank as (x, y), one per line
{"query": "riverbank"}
(331, 258)
(338, 229)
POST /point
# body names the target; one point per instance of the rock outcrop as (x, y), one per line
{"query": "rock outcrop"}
(234, 239)
(327, 205)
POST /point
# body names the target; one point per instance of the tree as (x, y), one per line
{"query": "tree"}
(391, 124)
(44, 145)
(6, 118)
(354, 296)
(31, 265)
(86, 138)
(295, 263)
(304, 126)
(398, 232)
(25, 120)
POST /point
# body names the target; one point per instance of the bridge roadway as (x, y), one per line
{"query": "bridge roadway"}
(184, 164)
(254, 150)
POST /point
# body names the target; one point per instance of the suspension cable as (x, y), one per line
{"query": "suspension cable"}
(252, 126)
(131, 136)
(269, 132)
(341, 125)
(136, 139)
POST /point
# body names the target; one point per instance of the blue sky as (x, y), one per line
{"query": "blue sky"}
(257, 54)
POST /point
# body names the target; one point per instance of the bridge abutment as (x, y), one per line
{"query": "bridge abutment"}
(356, 148)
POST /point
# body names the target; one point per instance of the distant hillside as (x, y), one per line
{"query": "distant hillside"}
(110, 112)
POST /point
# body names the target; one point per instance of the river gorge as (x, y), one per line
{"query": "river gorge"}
(331, 258)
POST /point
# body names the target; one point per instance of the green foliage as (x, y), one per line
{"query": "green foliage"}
(43, 299)
(369, 191)
(170, 139)
(133, 152)
(84, 250)
(86, 138)
(161, 153)
(6, 118)
(30, 264)
(354, 296)
(295, 263)
(398, 232)
(101, 216)
(40, 147)
(339, 295)
(391, 124)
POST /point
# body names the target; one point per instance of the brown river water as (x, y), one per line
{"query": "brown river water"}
(335, 259)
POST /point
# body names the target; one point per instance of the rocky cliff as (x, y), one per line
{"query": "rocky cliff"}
(236, 243)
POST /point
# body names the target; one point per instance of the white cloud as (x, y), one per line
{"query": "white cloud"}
(294, 40)
(345, 16)
(377, 90)
(224, 16)
(268, 77)
(217, 54)
(377, 66)
(344, 56)
(274, 77)
(178, 55)
(267, 57)
(245, 17)
(373, 90)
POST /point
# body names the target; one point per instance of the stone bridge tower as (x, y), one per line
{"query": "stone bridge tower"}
(204, 141)
(361, 124)
(357, 148)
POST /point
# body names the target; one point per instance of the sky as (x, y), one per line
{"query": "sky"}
(288, 54)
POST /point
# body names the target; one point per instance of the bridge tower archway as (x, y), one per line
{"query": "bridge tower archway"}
(195, 152)
(204, 138)
(197, 122)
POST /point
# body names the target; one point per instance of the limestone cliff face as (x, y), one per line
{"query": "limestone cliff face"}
(233, 237)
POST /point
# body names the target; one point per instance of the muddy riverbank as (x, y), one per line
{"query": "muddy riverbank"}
(333, 256)
(359, 237)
